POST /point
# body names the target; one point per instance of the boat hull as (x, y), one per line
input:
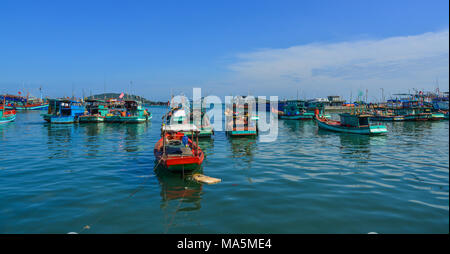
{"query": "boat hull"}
(242, 133)
(127, 119)
(387, 118)
(32, 107)
(369, 130)
(437, 116)
(91, 119)
(7, 118)
(61, 119)
(297, 117)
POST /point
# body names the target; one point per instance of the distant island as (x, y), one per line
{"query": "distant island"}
(107, 96)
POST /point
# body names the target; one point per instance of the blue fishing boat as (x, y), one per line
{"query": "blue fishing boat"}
(407, 108)
(63, 111)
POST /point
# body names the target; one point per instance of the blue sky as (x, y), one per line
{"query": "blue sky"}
(225, 47)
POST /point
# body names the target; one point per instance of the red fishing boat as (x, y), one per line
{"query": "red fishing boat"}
(177, 152)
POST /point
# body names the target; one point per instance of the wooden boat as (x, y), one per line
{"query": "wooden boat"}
(183, 114)
(406, 114)
(132, 112)
(96, 111)
(240, 120)
(20, 103)
(63, 111)
(389, 118)
(203, 124)
(295, 110)
(176, 151)
(6, 115)
(350, 123)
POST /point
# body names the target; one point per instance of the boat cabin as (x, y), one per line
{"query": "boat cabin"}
(65, 107)
(352, 120)
(95, 107)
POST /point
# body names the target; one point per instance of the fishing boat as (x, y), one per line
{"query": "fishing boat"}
(441, 102)
(240, 119)
(386, 115)
(63, 111)
(177, 152)
(21, 103)
(96, 111)
(6, 115)
(350, 123)
(294, 110)
(182, 113)
(405, 109)
(200, 119)
(389, 118)
(203, 124)
(131, 112)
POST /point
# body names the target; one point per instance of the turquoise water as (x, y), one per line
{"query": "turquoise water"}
(61, 178)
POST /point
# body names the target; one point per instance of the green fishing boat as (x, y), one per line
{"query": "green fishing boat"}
(131, 112)
(96, 111)
(351, 123)
(295, 110)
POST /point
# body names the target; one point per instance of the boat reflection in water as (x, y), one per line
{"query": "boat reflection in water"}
(207, 145)
(180, 197)
(355, 147)
(93, 137)
(419, 129)
(299, 128)
(243, 148)
(128, 135)
(59, 140)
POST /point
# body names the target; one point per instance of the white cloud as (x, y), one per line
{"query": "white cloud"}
(395, 64)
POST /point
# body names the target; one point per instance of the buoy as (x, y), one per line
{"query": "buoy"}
(205, 179)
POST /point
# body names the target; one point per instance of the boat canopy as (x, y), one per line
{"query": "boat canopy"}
(180, 127)
(179, 113)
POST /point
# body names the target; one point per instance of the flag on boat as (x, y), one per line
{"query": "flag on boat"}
(121, 95)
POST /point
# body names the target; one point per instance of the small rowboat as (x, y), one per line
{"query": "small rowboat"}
(178, 153)
(351, 123)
